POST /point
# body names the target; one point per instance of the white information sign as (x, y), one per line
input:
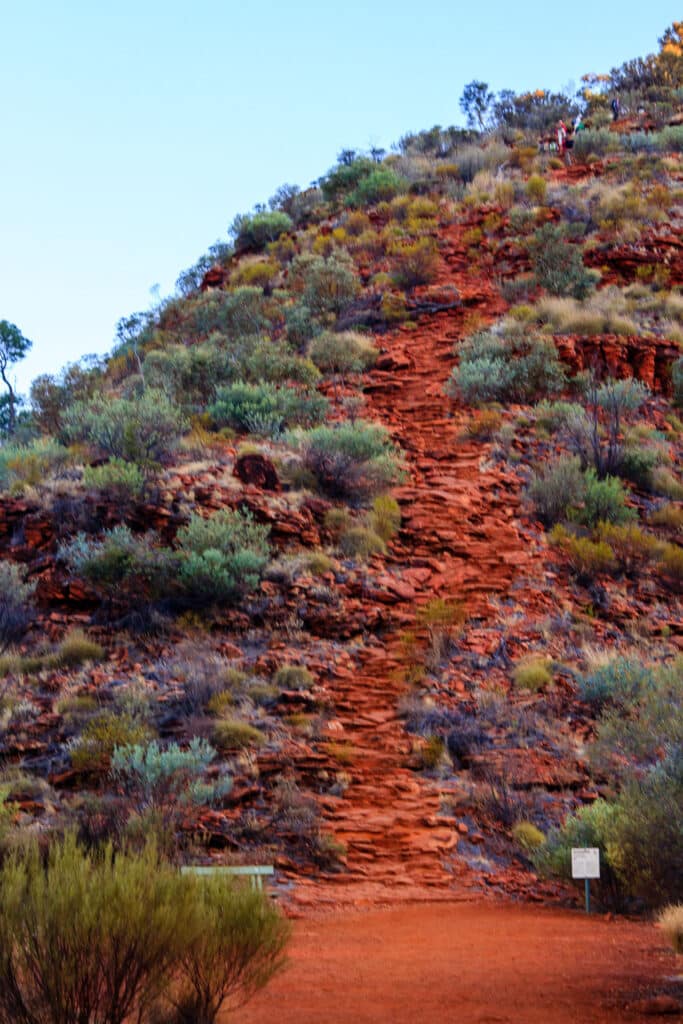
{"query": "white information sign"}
(585, 862)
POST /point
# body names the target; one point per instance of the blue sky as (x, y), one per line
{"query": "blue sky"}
(134, 132)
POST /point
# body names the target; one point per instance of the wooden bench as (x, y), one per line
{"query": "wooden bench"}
(254, 872)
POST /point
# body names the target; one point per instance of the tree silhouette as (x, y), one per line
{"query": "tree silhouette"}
(13, 347)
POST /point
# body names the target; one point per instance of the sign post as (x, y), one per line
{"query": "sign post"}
(586, 865)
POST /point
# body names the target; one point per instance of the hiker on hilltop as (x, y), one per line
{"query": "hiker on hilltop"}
(615, 108)
(561, 137)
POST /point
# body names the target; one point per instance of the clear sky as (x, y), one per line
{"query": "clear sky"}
(134, 131)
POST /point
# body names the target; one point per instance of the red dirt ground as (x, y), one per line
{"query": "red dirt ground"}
(466, 963)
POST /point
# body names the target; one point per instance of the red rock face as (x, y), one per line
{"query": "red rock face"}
(257, 470)
(646, 359)
(216, 277)
(663, 250)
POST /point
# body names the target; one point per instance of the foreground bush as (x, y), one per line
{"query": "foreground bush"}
(351, 460)
(98, 939)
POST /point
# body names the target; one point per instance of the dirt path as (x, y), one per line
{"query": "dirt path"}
(460, 539)
(467, 963)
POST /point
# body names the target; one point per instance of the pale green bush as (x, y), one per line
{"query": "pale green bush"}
(221, 557)
(142, 430)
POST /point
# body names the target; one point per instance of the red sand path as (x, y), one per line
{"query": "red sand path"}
(464, 963)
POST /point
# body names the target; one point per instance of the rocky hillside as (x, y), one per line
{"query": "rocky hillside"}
(361, 555)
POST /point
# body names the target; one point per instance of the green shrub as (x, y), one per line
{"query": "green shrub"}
(93, 749)
(342, 353)
(235, 950)
(361, 542)
(587, 558)
(188, 374)
(634, 732)
(235, 734)
(337, 520)
(31, 464)
(88, 937)
(664, 482)
(141, 430)
(380, 184)
(536, 188)
(385, 517)
(486, 425)
(326, 285)
(517, 368)
(646, 842)
(301, 326)
(414, 263)
(351, 460)
(120, 566)
(621, 681)
(221, 557)
(343, 178)
(76, 649)
(153, 776)
(637, 465)
(596, 436)
(263, 408)
(556, 489)
(533, 674)
(590, 826)
(671, 564)
(528, 836)
(669, 516)
(293, 677)
(604, 501)
(228, 317)
(16, 610)
(254, 231)
(119, 481)
(93, 937)
(632, 547)
(558, 266)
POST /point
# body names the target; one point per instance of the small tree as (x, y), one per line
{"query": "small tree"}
(93, 938)
(13, 347)
(475, 104)
(235, 953)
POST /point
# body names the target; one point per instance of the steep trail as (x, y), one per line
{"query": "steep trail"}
(459, 540)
